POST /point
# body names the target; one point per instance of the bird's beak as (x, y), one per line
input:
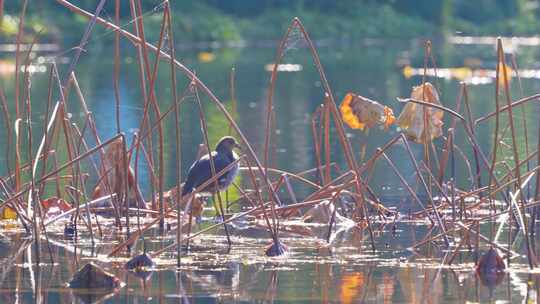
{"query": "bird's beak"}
(238, 146)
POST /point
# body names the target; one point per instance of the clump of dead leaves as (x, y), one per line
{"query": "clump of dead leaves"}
(419, 123)
(116, 172)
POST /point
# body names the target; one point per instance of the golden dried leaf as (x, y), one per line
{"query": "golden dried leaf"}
(8, 214)
(359, 112)
(412, 120)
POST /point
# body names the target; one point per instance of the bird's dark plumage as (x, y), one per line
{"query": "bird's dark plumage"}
(201, 169)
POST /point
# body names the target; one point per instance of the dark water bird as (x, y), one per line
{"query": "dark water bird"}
(201, 169)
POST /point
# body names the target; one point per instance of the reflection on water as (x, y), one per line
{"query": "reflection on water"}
(349, 273)
(374, 72)
(209, 275)
(492, 40)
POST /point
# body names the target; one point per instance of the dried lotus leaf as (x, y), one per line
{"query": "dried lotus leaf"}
(411, 118)
(8, 214)
(359, 112)
(114, 179)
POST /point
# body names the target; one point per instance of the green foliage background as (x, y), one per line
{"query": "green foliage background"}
(234, 20)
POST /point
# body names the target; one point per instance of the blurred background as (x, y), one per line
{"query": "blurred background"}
(233, 20)
(373, 48)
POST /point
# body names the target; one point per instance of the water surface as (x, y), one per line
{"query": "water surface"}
(349, 273)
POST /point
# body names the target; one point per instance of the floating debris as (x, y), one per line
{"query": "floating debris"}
(91, 276)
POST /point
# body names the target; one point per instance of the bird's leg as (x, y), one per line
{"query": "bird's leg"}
(189, 206)
(217, 217)
(222, 213)
(198, 218)
(227, 205)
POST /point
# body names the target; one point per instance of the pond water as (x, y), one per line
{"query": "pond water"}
(348, 273)
(375, 69)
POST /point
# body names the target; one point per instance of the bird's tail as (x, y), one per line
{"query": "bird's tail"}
(186, 189)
